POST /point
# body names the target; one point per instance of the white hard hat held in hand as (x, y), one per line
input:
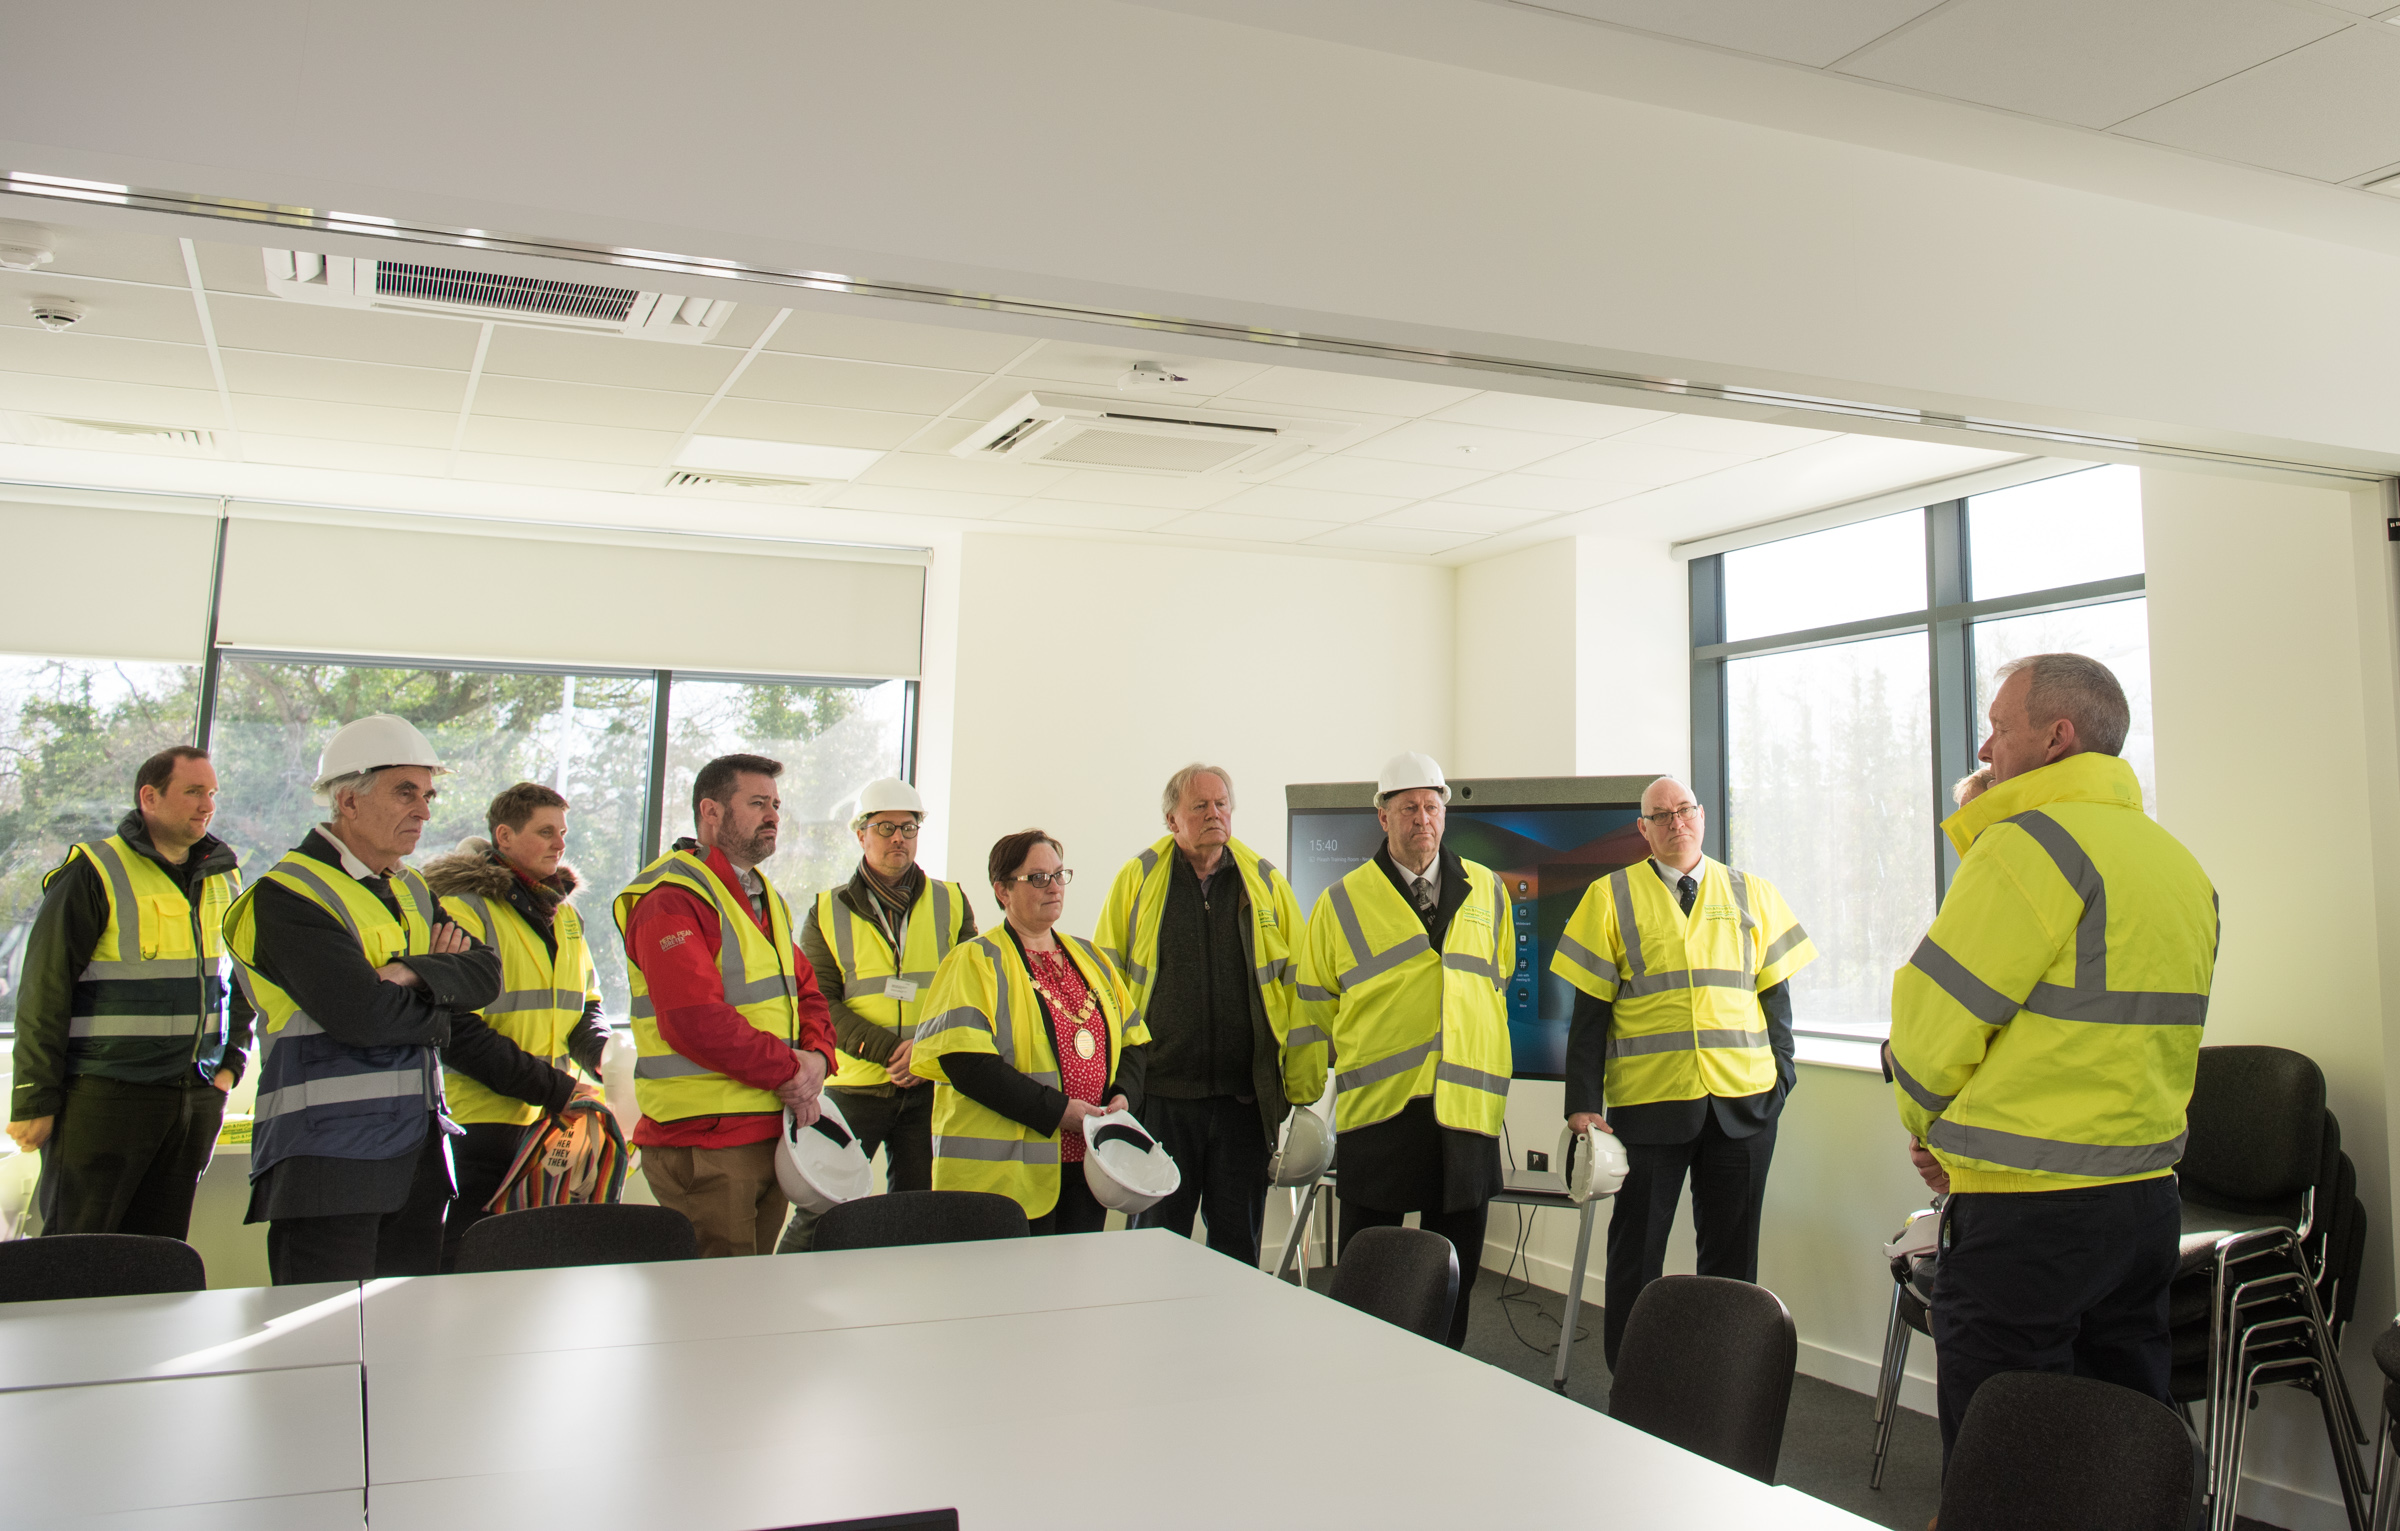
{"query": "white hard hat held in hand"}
(370, 744)
(1594, 1162)
(1307, 1150)
(1128, 1170)
(820, 1166)
(1403, 772)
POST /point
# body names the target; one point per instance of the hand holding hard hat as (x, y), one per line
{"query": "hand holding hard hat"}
(1593, 1161)
(1128, 1170)
(819, 1164)
(1306, 1152)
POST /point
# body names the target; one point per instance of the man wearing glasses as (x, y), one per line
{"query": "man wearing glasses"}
(1681, 1044)
(874, 943)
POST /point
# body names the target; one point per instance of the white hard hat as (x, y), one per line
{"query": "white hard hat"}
(1594, 1162)
(1127, 1169)
(820, 1166)
(1402, 772)
(1307, 1150)
(889, 794)
(369, 744)
(1922, 1236)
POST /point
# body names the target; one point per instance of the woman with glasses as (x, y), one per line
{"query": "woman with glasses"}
(875, 943)
(1027, 1031)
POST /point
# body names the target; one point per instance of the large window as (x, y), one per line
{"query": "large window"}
(1840, 681)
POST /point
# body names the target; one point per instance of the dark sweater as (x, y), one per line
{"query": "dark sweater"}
(1202, 1037)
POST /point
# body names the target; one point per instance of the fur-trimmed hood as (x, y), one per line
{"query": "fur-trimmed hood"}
(474, 868)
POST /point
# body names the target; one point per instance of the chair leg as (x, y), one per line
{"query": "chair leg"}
(2385, 1512)
(1896, 1338)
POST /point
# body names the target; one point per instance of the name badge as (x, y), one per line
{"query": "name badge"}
(901, 989)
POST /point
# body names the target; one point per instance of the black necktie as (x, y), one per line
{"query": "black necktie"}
(1684, 891)
(1422, 891)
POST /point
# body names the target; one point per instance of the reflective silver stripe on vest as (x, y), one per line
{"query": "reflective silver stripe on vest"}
(1690, 978)
(420, 894)
(536, 999)
(1274, 971)
(1977, 998)
(120, 886)
(1004, 1038)
(2119, 1007)
(962, 1017)
(2051, 1156)
(668, 1066)
(996, 1150)
(1473, 1079)
(2092, 999)
(331, 900)
(1045, 1077)
(143, 968)
(1310, 993)
(1629, 929)
(1686, 1041)
(140, 1025)
(1385, 1068)
(1575, 951)
(1917, 1092)
(643, 1009)
(341, 1090)
(1305, 1036)
(945, 922)
(1366, 964)
(1741, 905)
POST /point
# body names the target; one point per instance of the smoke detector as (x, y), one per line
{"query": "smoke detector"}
(55, 314)
(23, 246)
(1149, 374)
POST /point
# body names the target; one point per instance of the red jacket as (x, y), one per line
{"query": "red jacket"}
(674, 938)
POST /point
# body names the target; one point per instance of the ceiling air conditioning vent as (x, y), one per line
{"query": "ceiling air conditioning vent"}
(744, 486)
(344, 281)
(1070, 431)
(111, 435)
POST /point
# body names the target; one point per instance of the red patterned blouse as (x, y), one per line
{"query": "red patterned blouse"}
(1078, 1030)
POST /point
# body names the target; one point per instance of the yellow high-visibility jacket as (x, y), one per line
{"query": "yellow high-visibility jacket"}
(1684, 988)
(1402, 1020)
(1128, 932)
(542, 997)
(759, 982)
(874, 977)
(2046, 1032)
(983, 1002)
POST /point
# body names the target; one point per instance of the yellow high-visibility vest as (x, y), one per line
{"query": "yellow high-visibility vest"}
(1128, 932)
(1684, 988)
(151, 984)
(2047, 1030)
(983, 1002)
(1403, 1020)
(759, 982)
(542, 997)
(874, 979)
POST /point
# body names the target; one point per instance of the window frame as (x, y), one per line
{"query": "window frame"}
(1948, 620)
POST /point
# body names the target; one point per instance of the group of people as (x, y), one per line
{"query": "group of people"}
(411, 1026)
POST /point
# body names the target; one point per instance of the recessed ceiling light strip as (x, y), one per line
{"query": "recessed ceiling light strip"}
(272, 216)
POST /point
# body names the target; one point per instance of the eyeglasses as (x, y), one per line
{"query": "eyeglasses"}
(1688, 813)
(887, 829)
(1061, 878)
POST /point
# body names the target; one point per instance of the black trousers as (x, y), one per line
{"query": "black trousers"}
(359, 1246)
(127, 1158)
(2055, 1281)
(1078, 1210)
(1220, 1147)
(1464, 1230)
(1729, 1186)
(481, 1160)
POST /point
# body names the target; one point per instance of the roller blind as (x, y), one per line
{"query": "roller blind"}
(511, 593)
(105, 576)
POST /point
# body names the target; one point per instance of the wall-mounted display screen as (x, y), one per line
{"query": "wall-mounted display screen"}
(1545, 854)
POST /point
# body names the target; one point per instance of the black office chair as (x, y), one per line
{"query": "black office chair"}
(1707, 1363)
(1404, 1276)
(581, 1233)
(2069, 1454)
(920, 1217)
(98, 1265)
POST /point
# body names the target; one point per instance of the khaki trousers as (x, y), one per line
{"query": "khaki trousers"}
(730, 1194)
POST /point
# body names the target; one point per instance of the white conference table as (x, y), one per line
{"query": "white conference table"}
(1130, 1378)
(178, 1334)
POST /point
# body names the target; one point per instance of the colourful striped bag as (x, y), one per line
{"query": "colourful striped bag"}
(577, 1155)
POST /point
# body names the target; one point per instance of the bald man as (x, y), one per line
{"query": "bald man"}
(1681, 1044)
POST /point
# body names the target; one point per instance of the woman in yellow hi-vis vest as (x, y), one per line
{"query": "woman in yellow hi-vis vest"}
(1682, 1031)
(1027, 1032)
(1406, 970)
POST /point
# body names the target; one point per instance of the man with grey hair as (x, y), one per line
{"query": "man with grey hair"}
(1205, 932)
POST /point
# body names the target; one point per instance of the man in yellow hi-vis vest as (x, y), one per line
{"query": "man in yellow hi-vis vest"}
(1682, 1036)
(2044, 1040)
(1406, 970)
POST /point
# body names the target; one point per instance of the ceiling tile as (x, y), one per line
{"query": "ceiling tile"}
(770, 421)
(1396, 539)
(1816, 33)
(926, 470)
(119, 255)
(525, 398)
(1740, 440)
(2075, 61)
(569, 358)
(312, 329)
(1099, 367)
(1148, 489)
(95, 399)
(1483, 520)
(1564, 417)
(560, 472)
(1449, 444)
(346, 382)
(350, 456)
(1211, 523)
(941, 435)
(128, 313)
(921, 502)
(103, 357)
(2330, 110)
(920, 345)
(1622, 460)
(577, 443)
(345, 422)
(1526, 491)
(739, 330)
(1111, 518)
(1341, 390)
(1310, 504)
(239, 269)
(1357, 475)
(852, 384)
